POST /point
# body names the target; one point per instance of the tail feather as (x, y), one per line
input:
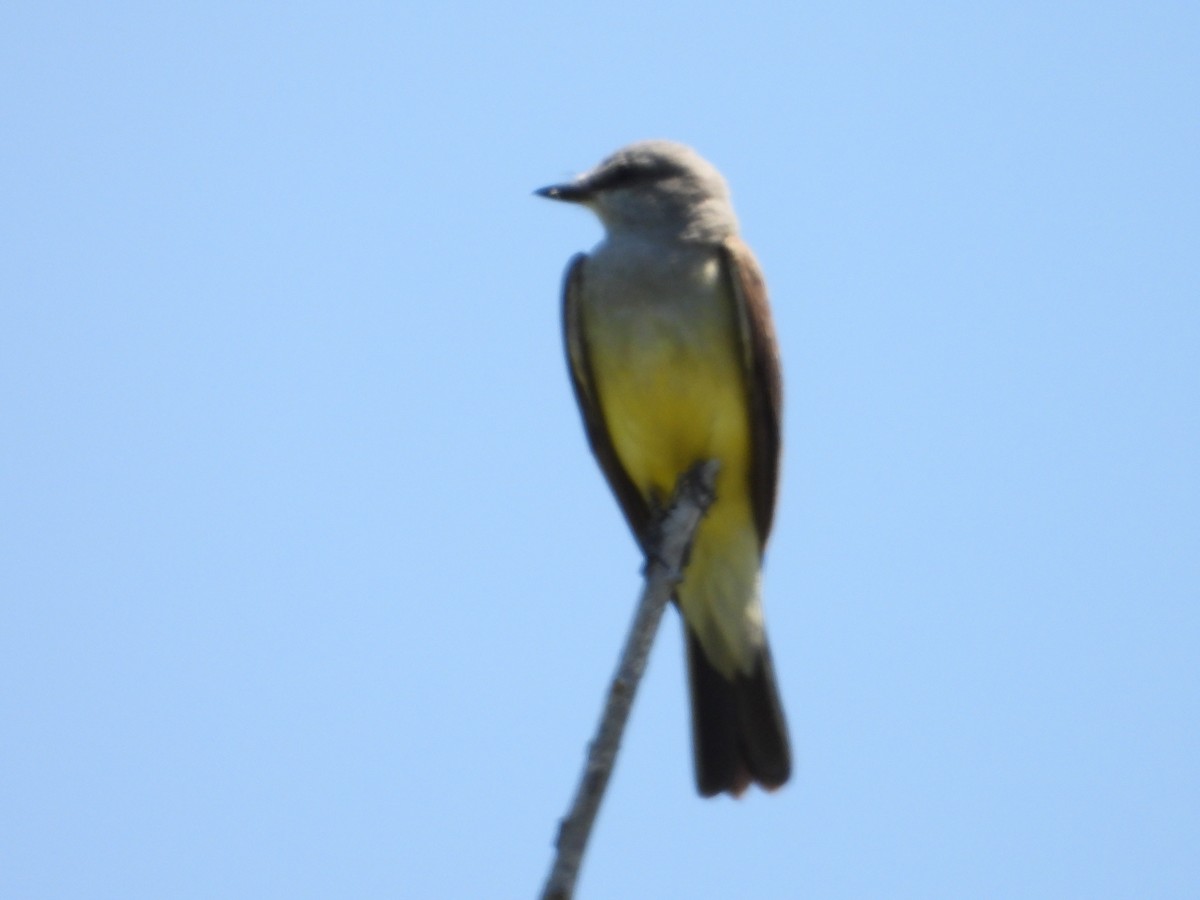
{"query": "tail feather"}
(738, 732)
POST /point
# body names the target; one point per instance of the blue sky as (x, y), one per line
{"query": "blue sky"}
(310, 588)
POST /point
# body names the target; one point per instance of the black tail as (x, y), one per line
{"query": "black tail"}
(738, 733)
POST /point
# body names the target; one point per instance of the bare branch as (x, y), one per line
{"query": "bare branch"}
(667, 553)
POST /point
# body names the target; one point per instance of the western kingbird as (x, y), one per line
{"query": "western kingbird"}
(673, 360)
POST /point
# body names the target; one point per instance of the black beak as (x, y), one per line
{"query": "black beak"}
(570, 193)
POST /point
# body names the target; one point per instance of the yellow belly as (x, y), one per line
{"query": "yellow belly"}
(671, 400)
(669, 407)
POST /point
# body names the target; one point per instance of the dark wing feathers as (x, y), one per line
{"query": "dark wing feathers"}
(764, 381)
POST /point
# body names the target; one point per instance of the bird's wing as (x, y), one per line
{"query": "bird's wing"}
(633, 504)
(764, 382)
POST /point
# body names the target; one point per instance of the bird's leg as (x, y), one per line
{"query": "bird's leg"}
(652, 540)
(696, 486)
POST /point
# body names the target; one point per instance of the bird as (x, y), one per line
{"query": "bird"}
(673, 360)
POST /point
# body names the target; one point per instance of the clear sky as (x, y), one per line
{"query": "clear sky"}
(309, 586)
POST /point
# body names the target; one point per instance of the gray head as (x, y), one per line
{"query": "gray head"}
(654, 187)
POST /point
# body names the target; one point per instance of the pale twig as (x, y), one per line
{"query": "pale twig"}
(666, 556)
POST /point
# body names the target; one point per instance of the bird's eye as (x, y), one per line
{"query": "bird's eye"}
(620, 176)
